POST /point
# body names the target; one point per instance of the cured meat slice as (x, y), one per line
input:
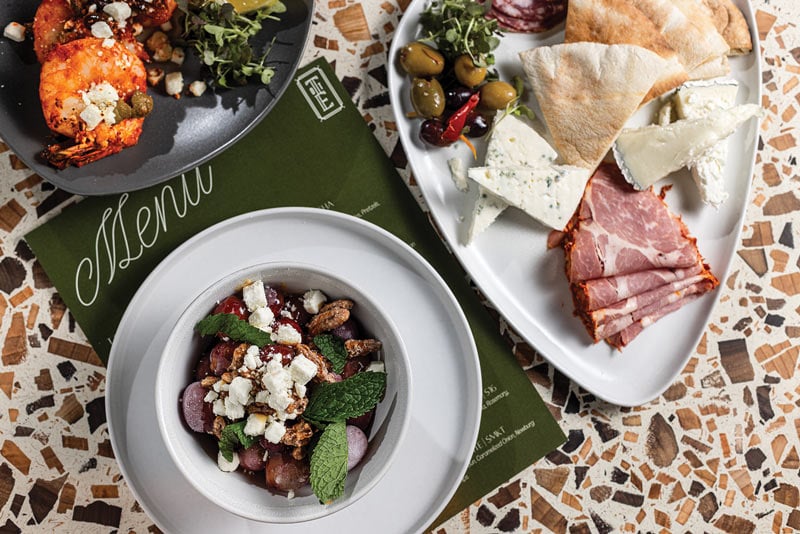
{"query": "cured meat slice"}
(528, 15)
(618, 230)
(603, 292)
(625, 336)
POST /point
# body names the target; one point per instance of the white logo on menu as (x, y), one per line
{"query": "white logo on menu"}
(149, 222)
(319, 93)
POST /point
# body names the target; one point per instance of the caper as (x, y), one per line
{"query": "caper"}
(467, 73)
(122, 111)
(497, 95)
(427, 97)
(142, 104)
(421, 60)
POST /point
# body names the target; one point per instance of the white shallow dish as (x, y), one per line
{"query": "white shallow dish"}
(511, 264)
(445, 410)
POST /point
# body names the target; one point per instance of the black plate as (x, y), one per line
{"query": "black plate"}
(178, 136)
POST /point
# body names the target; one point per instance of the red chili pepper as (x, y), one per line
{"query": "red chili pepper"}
(456, 121)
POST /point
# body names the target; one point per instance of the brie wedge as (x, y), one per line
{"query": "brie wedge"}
(512, 142)
(698, 99)
(548, 194)
(648, 154)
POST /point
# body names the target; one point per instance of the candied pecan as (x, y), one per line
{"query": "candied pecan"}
(361, 347)
(328, 320)
(347, 304)
(208, 381)
(227, 377)
(219, 426)
(323, 373)
(298, 453)
(298, 406)
(238, 357)
(298, 435)
(260, 407)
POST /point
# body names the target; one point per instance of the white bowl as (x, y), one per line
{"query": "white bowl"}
(195, 454)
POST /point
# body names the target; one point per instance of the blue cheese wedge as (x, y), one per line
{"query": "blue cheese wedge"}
(648, 154)
(699, 99)
(513, 143)
(548, 194)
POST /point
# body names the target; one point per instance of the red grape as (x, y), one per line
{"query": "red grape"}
(197, 413)
(284, 473)
(356, 446)
(234, 305)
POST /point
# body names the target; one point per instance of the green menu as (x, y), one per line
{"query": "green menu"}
(315, 150)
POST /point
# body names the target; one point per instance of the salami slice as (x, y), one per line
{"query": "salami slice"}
(528, 15)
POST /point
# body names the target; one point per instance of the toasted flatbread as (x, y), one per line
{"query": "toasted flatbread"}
(587, 91)
(731, 24)
(618, 22)
(712, 68)
(687, 28)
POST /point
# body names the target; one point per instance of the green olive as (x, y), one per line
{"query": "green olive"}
(497, 95)
(427, 97)
(467, 73)
(421, 60)
(142, 104)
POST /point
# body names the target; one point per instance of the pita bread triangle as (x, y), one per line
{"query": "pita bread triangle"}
(587, 92)
(618, 22)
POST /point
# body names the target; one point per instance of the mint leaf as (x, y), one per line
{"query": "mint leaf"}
(329, 463)
(338, 401)
(233, 327)
(332, 347)
(233, 435)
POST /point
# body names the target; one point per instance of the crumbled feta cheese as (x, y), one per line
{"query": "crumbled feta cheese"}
(252, 358)
(279, 401)
(277, 378)
(262, 397)
(219, 407)
(261, 318)
(92, 116)
(302, 369)
(300, 389)
(313, 299)
(119, 11)
(154, 75)
(376, 367)
(100, 101)
(102, 30)
(286, 334)
(225, 465)
(14, 31)
(108, 43)
(233, 409)
(290, 494)
(211, 396)
(256, 424)
(173, 83)
(198, 87)
(254, 295)
(178, 55)
(274, 432)
(240, 389)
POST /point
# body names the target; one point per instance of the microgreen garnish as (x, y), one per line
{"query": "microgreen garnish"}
(233, 435)
(233, 327)
(459, 27)
(339, 401)
(332, 347)
(329, 463)
(221, 38)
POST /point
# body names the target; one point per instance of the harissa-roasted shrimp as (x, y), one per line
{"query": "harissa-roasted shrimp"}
(84, 87)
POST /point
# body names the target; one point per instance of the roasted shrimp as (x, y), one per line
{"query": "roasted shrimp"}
(92, 90)
(55, 22)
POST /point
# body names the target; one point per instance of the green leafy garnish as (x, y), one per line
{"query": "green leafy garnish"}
(459, 27)
(338, 401)
(221, 38)
(233, 327)
(329, 463)
(233, 435)
(332, 347)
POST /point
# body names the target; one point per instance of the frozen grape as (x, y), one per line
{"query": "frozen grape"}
(362, 421)
(234, 305)
(196, 412)
(221, 356)
(347, 330)
(356, 446)
(252, 458)
(285, 473)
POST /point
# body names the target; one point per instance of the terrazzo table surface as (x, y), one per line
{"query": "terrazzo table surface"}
(719, 451)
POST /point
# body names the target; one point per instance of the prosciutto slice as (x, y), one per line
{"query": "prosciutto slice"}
(629, 260)
(618, 230)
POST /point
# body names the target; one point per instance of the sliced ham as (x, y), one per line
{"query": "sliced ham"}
(618, 230)
(629, 260)
(603, 292)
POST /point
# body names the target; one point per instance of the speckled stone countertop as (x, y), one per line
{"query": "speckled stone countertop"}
(719, 451)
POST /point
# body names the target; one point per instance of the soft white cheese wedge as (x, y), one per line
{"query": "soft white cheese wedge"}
(513, 143)
(648, 154)
(698, 99)
(548, 194)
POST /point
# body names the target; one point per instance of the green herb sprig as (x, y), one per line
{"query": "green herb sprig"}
(221, 38)
(459, 27)
(233, 327)
(332, 347)
(232, 436)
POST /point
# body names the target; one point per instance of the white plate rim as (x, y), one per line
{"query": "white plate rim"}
(546, 342)
(467, 355)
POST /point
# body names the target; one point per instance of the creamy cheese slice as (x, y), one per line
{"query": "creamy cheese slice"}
(698, 99)
(548, 194)
(648, 154)
(513, 142)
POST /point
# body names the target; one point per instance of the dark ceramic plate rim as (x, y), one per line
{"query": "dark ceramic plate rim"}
(179, 136)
